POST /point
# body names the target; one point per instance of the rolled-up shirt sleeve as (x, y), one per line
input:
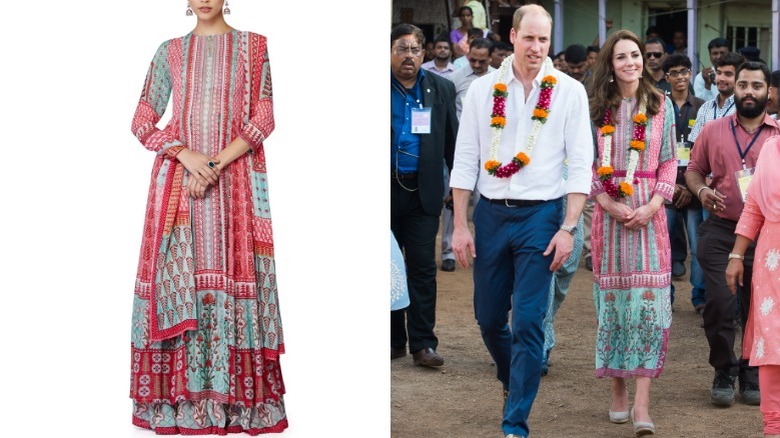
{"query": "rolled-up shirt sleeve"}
(579, 143)
(465, 170)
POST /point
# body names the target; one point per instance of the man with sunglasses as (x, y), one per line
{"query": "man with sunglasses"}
(479, 56)
(655, 55)
(422, 138)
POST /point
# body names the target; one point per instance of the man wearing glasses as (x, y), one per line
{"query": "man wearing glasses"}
(685, 206)
(423, 131)
(654, 52)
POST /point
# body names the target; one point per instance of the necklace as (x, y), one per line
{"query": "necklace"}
(635, 146)
(498, 120)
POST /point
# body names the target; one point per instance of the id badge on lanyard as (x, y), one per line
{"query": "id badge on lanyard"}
(683, 153)
(421, 120)
(743, 178)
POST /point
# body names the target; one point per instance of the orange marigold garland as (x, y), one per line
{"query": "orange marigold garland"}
(498, 121)
(635, 146)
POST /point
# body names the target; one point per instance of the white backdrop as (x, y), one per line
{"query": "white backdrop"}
(75, 195)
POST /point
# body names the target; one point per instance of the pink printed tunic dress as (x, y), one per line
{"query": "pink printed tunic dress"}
(632, 268)
(206, 330)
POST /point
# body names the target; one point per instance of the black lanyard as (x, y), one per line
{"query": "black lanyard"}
(715, 109)
(682, 123)
(742, 155)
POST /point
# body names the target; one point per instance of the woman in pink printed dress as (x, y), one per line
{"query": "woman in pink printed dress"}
(760, 221)
(633, 176)
(206, 332)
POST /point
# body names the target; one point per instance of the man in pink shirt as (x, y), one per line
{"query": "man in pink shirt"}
(728, 148)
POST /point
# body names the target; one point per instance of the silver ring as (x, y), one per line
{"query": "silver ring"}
(211, 164)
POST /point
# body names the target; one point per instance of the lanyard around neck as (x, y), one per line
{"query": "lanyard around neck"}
(715, 109)
(742, 155)
(681, 121)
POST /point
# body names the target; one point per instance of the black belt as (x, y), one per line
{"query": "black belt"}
(513, 202)
(411, 175)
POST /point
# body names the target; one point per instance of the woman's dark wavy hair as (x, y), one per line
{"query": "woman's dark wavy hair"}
(604, 94)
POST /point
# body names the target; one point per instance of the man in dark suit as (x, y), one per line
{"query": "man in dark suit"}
(423, 131)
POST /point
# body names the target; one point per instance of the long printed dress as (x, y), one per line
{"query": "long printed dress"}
(206, 331)
(760, 221)
(632, 268)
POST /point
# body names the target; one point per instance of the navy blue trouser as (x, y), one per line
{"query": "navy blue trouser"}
(510, 273)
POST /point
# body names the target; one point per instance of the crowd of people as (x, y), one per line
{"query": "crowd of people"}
(617, 153)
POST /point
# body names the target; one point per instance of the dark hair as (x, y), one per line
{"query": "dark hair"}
(775, 79)
(604, 93)
(442, 38)
(407, 29)
(676, 60)
(718, 42)
(755, 66)
(750, 53)
(656, 41)
(593, 49)
(475, 32)
(482, 43)
(465, 8)
(558, 55)
(732, 58)
(575, 54)
(503, 45)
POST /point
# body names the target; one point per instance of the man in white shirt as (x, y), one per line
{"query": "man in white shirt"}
(440, 64)
(704, 81)
(522, 234)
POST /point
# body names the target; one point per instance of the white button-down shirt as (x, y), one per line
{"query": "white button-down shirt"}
(565, 136)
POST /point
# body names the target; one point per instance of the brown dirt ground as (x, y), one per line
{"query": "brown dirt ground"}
(463, 398)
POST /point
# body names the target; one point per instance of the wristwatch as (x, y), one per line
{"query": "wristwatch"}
(569, 228)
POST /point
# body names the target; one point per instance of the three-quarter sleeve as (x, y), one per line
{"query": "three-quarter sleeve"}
(152, 104)
(261, 114)
(667, 156)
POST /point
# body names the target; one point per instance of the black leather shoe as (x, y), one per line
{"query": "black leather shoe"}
(427, 357)
(448, 265)
(678, 269)
(395, 353)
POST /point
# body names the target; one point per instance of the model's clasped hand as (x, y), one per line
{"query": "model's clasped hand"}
(203, 171)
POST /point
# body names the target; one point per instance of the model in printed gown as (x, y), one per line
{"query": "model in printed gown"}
(206, 330)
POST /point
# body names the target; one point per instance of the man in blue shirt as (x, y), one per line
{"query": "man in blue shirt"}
(423, 131)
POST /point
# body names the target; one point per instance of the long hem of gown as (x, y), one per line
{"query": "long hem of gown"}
(213, 430)
(209, 422)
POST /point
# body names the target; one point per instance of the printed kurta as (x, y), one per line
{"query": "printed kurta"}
(760, 221)
(632, 268)
(206, 331)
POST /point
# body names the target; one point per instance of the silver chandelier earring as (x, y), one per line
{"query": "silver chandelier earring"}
(612, 77)
(189, 11)
(226, 11)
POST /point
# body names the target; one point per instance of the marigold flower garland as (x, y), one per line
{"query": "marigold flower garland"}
(635, 146)
(498, 120)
